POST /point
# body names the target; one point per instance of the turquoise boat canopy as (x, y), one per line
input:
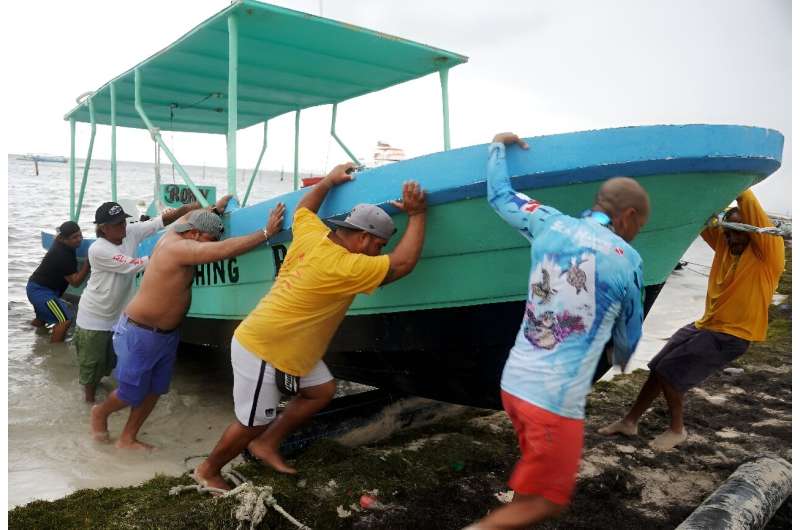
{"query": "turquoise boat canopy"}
(287, 61)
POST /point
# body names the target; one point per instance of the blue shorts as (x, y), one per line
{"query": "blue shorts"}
(46, 303)
(145, 360)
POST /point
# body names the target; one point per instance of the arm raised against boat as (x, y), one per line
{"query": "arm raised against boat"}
(316, 195)
(191, 252)
(768, 248)
(406, 254)
(172, 215)
(517, 209)
(105, 259)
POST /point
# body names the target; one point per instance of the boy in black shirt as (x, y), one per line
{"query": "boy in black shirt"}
(48, 282)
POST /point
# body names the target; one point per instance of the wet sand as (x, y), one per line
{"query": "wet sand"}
(51, 453)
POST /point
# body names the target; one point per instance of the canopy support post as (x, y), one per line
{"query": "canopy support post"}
(445, 107)
(258, 165)
(341, 144)
(72, 169)
(156, 135)
(113, 142)
(157, 180)
(296, 147)
(88, 161)
(233, 99)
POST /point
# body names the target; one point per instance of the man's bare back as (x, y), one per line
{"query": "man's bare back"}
(166, 289)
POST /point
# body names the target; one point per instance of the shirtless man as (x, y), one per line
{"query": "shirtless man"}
(146, 335)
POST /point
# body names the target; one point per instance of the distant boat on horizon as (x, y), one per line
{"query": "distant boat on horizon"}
(386, 154)
(34, 157)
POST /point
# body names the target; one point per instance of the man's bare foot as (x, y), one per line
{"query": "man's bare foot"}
(619, 427)
(202, 477)
(102, 437)
(271, 458)
(133, 444)
(667, 440)
(99, 425)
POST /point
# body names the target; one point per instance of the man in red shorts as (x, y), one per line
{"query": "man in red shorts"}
(585, 287)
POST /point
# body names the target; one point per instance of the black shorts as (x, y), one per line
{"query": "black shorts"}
(692, 354)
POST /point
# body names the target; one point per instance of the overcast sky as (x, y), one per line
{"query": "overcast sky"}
(535, 68)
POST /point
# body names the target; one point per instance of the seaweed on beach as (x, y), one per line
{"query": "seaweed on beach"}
(453, 472)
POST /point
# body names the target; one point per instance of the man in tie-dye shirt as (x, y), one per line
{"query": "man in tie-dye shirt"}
(585, 287)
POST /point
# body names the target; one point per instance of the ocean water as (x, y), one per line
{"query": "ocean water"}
(50, 452)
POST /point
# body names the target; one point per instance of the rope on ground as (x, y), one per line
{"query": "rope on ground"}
(254, 501)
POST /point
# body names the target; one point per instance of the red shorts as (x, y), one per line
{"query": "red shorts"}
(551, 447)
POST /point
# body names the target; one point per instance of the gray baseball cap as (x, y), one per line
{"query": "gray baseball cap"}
(204, 221)
(370, 219)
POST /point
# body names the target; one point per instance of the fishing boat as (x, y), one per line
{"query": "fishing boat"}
(444, 331)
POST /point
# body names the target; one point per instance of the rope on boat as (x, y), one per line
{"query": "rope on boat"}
(254, 501)
(782, 228)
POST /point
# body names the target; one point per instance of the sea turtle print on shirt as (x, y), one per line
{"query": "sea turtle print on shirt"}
(542, 289)
(550, 320)
(575, 276)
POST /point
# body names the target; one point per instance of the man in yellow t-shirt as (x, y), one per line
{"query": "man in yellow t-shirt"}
(278, 348)
(744, 274)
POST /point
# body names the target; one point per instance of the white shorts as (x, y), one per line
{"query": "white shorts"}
(255, 395)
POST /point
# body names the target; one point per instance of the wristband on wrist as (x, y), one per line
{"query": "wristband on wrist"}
(266, 235)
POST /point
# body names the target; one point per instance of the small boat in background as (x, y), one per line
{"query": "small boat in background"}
(36, 158)
(386, 154)
(310, 181)
(56, 159)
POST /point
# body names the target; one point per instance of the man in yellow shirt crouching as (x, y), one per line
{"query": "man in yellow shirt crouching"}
(279, 346)
(744, 274)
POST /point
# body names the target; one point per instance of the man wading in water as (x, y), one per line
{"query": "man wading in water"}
(146, 335)
(47, 284)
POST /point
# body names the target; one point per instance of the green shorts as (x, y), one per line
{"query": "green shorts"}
(96, 357)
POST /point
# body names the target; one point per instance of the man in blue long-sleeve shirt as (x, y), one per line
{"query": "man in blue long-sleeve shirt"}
(585, 287)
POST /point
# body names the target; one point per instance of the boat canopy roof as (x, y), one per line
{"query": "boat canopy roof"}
(288, 60)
